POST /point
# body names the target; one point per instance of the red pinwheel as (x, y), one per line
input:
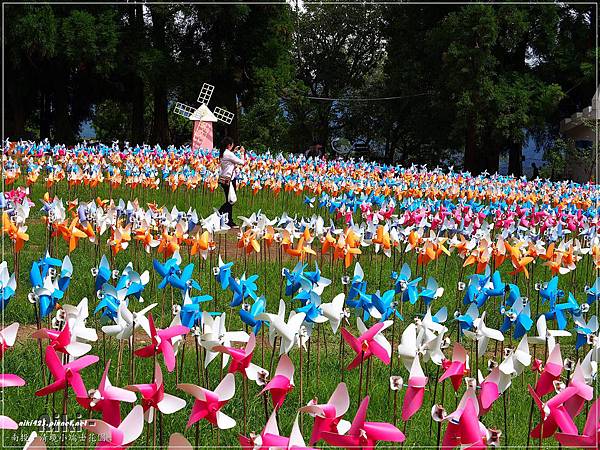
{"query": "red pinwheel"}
(551, 372)
(154, 397)
(328, 416)
(369, 343)
(208, 404)
(365, 434)
(241, 359)
(456, 369)
(62, 341)
(282, 383)
(161, 343)
(67, 374)
(118, 437)
(107, 398)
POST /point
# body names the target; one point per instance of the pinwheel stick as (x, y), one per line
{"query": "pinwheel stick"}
(301, 380)
(437, 377)
(360, 377)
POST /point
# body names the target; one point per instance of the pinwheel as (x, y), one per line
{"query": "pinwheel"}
(118, 436)
(293, 278)
(8, 336)
(162, 343)
(282, 382)
(110, 299)
(208, 404)
(554, 415)
(463, 427)
(328, 416)
(169, 270)
(546, 336)
(335, 312)
(456, 369)
(518, 315)
(126, 321)
(107, 399)
(591, 431)
(584, 330)
(593, 293)
(215, 334)
(66, 375)
(154, 396)
(190, 312)
(223, 274)
(558, 310)
(370, 342)
(482, 334)
(364, 434)
(489, 390)
(514, 363)
(551, 372)
(466, 320)
(242, 289)
(177, 441)
(288, 331)
(268, 438)
(76, 317)
(62, 341)
(242, 359)
(34, 442)
(16, 233)
(249, 313)
(415, 390)
(550, 292)
(365, 303)
(8, 285)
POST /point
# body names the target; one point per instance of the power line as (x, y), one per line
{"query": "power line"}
(366, 99)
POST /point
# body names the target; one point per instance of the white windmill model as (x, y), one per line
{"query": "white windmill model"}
(203, 118)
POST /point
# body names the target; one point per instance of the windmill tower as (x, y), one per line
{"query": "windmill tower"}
(203, 118)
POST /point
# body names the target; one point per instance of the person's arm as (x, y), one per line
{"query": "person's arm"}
(231, 157)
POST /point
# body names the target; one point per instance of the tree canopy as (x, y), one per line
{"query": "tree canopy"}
(474, 81)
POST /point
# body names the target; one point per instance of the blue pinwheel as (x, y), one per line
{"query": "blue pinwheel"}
(133, 281)
(110, 299)
(519, 315)
(584, 330)
(314, 280)
(408, 289)
(248, 314)
(465, 321)
(559, 310)
(183, 280)
(593, 293)
(431, 291)
(223, 273)
(242, 289)
(364, 302)
(357, 284)
(475, 292)
(8, 285)
(190, 313)
(550, 292)
(312, 310)
(168, 270)
(293, 279)
(103, 273)
(514, 294)
(47, 292)
(386, 305)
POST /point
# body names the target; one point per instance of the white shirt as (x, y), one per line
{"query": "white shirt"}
(228, 164)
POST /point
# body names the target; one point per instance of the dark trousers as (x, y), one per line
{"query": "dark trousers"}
(227, 207)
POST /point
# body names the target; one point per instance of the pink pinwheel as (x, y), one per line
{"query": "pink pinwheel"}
(365, 434)
(177, 441)
(574, 405)
(457, 368)
(489, 391)
(154, 396)
(8, 336)
(369, 343)
(554, 414)
(282, 383)
(328, 416)
(415, 392)
(241, 359)
(67, 374)
(464, 428)
(551, 372)
(118, 437)
(34, 442)
(62, 341)
(107, 398)
(9, 380)
(162, 343)
(267, 439)
(208, 404)
(591, 431)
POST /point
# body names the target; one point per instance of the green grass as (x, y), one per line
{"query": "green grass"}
(321, 372)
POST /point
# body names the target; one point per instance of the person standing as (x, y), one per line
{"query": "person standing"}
(227, 173)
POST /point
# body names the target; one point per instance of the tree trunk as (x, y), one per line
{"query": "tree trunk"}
(160, 121)
(515, 153)
(470, 160)
(62, 132)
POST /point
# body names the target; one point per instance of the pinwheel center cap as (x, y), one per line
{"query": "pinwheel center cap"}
(365, 346)
(363, 438)
(157, 340)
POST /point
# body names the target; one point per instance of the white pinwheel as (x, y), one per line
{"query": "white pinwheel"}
(335, 311)
(214, 333)
(127, 321)
(288, 331)
(482, 334)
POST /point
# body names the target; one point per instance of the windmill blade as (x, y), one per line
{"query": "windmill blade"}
(223, 115)
(205, 93)
(183, 110)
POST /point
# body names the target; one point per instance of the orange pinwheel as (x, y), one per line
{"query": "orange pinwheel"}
(201, 243)
(17, 234)
(70, 233)
(120, 238)
(145, 236)
(520, 265)
(346, 247)
(300, 251)
(248, 242)
(382, 240)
